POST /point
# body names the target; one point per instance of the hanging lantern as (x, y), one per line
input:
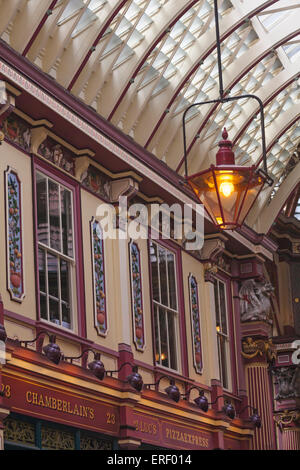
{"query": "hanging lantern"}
(227, 191)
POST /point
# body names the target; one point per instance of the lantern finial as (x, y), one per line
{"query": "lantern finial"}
(225, 155)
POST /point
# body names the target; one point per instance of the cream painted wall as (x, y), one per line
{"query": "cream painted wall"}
(207, 321)
(147, 355)
(89, 204)
(118, 287)
(21, 163)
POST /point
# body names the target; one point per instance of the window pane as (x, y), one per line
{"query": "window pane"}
(172, 340)
(54, 311)
(172, 280)
(164, 359)
(42, 209)
(217, 304)
(156, 329)
(66, 318)
(52, 275)
(43, 307)
(42, 270)
(223, 360)
(223, 307)
(154, 269)
(64, 280)
(66, 220)
(163, 277)
(54, 214)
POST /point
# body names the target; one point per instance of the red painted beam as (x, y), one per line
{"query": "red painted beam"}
(144, 58)
(101, 32)
(36, 32)
(194, 69)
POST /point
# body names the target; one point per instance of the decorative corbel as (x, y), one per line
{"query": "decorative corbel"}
(81, 167)
(212, 248)
(38, 135)
(7, 104)
(125, 187)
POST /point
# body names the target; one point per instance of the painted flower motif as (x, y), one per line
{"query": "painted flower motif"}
(14, 236)
(99, 279)
(137, 301)
(195, 317)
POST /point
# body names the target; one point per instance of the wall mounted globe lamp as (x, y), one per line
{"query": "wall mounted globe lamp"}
(228, 191)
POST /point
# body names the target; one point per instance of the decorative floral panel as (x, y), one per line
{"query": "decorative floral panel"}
(56, 439)
(137, 297)
(92, 443)
(98, 278)
(97, 182)
(195, 322)
(20, 432)
(18, 131)
(57, 154)
(15, 275)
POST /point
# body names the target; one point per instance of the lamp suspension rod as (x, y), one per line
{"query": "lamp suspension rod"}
(221, 87)
(224, 99)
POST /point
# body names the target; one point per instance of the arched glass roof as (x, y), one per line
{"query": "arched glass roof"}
(140, 63)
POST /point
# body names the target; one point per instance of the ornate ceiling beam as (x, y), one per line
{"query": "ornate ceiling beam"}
(114, 12)
(41, 17)
(233, 24)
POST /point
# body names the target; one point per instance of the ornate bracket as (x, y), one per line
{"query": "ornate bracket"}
(252, 348)
(287, 418)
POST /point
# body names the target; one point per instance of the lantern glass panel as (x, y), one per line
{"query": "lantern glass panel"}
(227, 193)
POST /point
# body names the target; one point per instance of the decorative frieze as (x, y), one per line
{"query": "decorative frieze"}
(137, 296)
(57, 154)
(98, 278)
(97, 182)
(195, 324)
(15, 275)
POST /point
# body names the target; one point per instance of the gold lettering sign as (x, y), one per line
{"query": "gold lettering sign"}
(148, 428)
(45, 401)
(187, 437)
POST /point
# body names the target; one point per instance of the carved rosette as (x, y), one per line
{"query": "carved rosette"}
(15, 274)
(195, 323)
(137, 296)
(98, 278)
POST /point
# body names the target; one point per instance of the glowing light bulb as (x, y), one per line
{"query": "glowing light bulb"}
(219, 220)
(226, 188)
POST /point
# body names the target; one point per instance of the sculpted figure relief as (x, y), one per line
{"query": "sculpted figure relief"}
(255, 300)
(287, 379)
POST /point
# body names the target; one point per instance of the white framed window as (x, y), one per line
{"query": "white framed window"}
(165, 306)
(56, 256)
(223, 337)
